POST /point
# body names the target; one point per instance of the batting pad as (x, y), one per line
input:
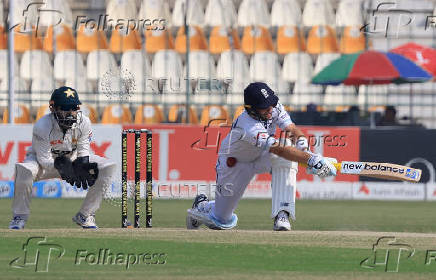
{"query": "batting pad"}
(283, 186)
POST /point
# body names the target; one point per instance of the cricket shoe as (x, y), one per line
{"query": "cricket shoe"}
(191, 222)
(86, 222)
(17, 222)
(281, 222)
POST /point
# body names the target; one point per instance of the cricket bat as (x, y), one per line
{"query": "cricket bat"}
(379, 170)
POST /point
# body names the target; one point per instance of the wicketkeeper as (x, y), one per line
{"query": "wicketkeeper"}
(251, 148)
(60, 149)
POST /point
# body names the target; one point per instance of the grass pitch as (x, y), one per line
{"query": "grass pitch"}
(330, 240)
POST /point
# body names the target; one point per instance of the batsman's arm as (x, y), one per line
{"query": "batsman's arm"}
(298, 137)
(290, 153)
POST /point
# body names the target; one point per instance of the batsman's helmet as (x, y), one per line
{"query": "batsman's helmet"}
(63, 101)
(258, 96)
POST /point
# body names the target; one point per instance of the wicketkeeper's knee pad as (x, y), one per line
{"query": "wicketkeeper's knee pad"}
(24, 172)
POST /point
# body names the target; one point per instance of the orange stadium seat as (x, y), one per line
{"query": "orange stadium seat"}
(149, 114)
(22, 114)
(26, 41)
(177, 114)
(219, 40)
(238, 112)
(197, 40)
(3, 39)
(214, 115)
(353, 40)
(121, 42)
(290, 40)
(42, 111)
(116, 114)
(90, 112)
(157, 40)
(321, 39)
(256, 39)
(90, 39)
(64, 38)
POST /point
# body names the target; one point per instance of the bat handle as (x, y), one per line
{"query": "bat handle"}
(338, 166)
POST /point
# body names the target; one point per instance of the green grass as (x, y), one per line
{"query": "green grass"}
(329, 240)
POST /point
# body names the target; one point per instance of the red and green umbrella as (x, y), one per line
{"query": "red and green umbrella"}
(371, 68)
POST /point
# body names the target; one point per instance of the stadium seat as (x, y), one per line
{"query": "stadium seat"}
(21, 114)
(68, 63)
(99, 63)
(297, 67)
(352, 40)
(62, 15)
(157, 40)
(25, 41)
(41, 90)
(167, 64)
(155, 9)
(113, 114)
(305, 93)
(35, 64)
(214, 115)
(4, 68)
(233, 69)
(201, 65)
(220, 13)
(90, 39)
(21, 91)
(323, 60)
(123, 40)
(321, 39)
(349, 13)
(197, 40)
(255, 39)
(121, 9)
(286, 13)
(253, 12)
(265, 67)
(290, 40)
(136, 62)
(238, 112)
(340, 96)
(318, 12)
(149, 114)
(3, 38)
(42, 111)
(221, 39)
(82, 86)
(90, 112)
(195, 14)
(64, 38)
(177, 114)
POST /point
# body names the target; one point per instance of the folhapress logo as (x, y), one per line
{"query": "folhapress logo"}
(38, 253)
(387, 253)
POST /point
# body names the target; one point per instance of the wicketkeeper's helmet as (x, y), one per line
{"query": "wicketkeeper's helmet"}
(63, 101)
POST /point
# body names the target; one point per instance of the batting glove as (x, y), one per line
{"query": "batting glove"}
(321, 166)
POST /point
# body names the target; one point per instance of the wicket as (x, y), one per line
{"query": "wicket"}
(137, 190)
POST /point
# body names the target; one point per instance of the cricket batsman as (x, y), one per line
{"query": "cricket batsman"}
(60, 149)
(250, 148)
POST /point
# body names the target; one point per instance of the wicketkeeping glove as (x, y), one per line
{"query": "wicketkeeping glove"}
(65, 168)
(86, 172)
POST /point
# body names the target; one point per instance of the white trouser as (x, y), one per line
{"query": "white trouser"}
(30, 171)
(232, 182)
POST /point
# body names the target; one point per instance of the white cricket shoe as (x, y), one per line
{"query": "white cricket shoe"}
(281, 222)
(85, 221)
(17, 222)
(191, 221)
